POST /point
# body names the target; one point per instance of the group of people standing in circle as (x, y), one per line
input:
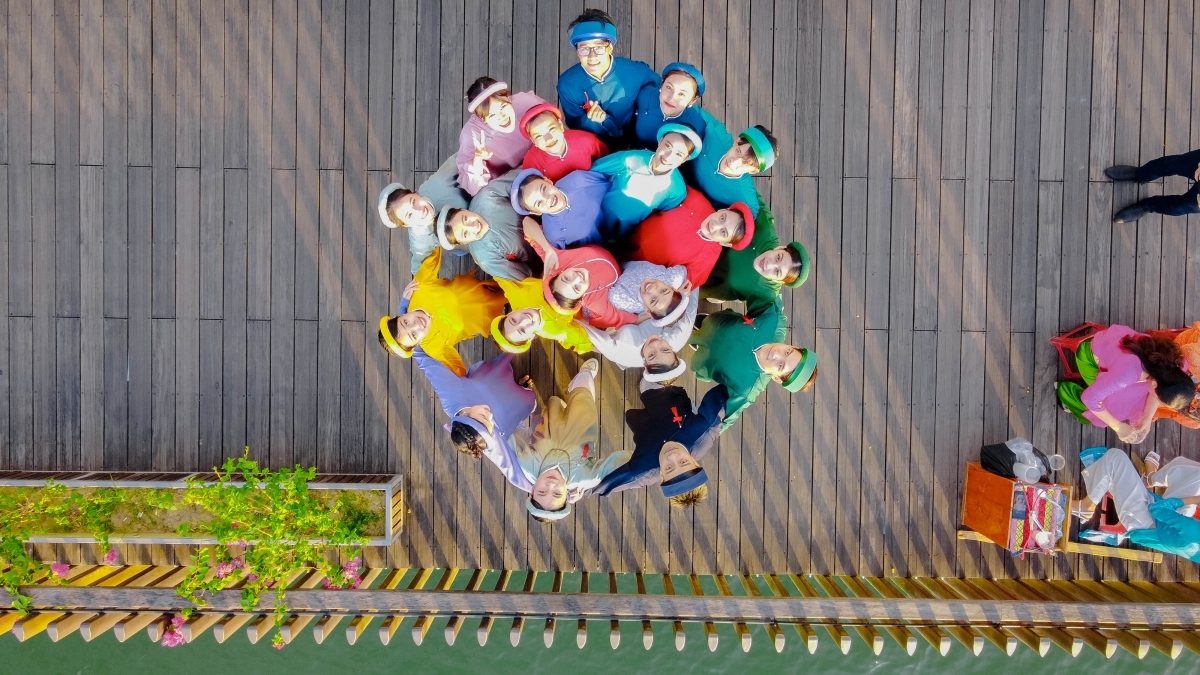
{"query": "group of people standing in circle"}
(618, 222)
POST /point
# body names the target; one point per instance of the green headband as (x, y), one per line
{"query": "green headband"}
(802, 373)
(761, 146)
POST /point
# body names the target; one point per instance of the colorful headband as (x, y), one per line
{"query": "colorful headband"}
(514, 193)
(440, 228)
(761, 146)
(534, 112)
(393, 346)
(803, 372)
(689, 70)
(547, 515)
(383, 200)
(503, 342)
(748, 217)
(684, 484)
(483, 95)
(673, 316)
(593, 30)
(679, 369)
(686, 131)
(805, 263)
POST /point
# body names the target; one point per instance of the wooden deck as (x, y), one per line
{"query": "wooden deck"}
(193, 263)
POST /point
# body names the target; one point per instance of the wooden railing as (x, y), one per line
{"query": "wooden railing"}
(1106, 616)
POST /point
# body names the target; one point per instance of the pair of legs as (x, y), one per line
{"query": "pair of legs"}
(1186, 165)
(1115, 474)
(573, 422)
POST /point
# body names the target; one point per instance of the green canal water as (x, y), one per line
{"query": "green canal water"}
(139, 656)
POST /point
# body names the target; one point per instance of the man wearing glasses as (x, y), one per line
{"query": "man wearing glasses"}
(599, 94)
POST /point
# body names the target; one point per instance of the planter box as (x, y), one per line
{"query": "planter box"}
(390, 487)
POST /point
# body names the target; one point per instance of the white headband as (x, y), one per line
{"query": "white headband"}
(669, 375)
(674, 315)
(483, 95)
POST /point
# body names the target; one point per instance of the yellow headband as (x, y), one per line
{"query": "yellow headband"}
(395, 347)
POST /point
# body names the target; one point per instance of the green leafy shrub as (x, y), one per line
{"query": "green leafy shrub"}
(269, 527)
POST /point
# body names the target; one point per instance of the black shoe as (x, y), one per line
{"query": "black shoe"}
(1130, 213)
(1121, 172)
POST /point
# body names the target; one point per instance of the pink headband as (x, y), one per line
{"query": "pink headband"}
(483, 95)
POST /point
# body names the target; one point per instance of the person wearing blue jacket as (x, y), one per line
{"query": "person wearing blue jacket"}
(725, 168)
(670, 439)
(677, 100)
(599, 94)
(569, 207)
(644, 181)
(485, 407)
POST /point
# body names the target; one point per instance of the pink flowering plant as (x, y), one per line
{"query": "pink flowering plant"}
(52, 508)
(270, 527)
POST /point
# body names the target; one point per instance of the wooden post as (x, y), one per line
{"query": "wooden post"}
(1005, 642)
(902, 635)
(548, 630)
(485, 624)
(839, 634)
(647, 629)
(360, 622)
(614, 626)
(804, 630)
(773, 630)
(454, 625)
(868, 633)
(421, 626)
(710, 629)
(935, 636)
(581, 626)
(739, 627)
(392, 623)
(676, 625)
(518, 624)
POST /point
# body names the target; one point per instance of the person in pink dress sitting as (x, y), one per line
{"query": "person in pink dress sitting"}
(1128, 375)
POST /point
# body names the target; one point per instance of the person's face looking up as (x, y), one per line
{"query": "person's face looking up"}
(657, 296)
(498, 113)
(572, 283)
(677, 92)
(657, 352)
(777, 359)
(671, 153)
(674, 460)
(739, 160)
(595, 56)
(468, 226)
(414, 211)
(540, 196)
(547, 133)
(412, 328)
(774, 264)
(550, 490)
(722, 226)
(522, 325)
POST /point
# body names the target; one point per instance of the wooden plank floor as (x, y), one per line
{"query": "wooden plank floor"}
(192, 263)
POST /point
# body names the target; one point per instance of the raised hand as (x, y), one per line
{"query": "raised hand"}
(482, 153)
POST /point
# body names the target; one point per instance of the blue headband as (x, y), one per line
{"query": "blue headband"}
(684, 484)
(593, 30)
(689, 70)
(514, 193)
